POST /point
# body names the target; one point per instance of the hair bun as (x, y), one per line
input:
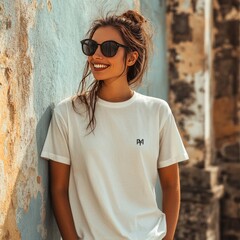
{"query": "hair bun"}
(134, 16)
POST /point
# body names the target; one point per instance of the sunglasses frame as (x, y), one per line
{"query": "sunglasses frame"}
(101, 46)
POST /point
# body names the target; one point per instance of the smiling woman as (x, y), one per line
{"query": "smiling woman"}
(111, 68)
(125, 54)
(108, 144)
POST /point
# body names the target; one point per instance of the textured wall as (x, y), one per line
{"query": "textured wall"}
(187, 72)
(227, 112)
(40, 64)
(19, 176)
(190, 75)
(203, 47)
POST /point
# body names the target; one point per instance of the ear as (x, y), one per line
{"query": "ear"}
(132, 58)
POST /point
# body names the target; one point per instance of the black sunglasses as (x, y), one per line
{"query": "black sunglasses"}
(108, 48)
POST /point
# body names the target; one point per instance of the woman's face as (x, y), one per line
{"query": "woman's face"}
(108, 68)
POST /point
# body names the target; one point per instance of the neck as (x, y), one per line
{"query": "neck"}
(115, 92)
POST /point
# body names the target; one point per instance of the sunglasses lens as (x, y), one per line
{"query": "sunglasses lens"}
(89, 47)
(109, 48)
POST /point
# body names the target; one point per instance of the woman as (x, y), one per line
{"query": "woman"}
(109, 143)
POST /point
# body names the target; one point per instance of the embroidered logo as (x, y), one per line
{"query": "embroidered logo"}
(140, 142)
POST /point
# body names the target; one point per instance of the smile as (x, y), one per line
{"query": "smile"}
(98, 66)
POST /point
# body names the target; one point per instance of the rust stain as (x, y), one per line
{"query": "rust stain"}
(49, 5)
(24, 65)
(8, 73)
(8, 23)
(1, 8)
(11, 106)
(39, 179)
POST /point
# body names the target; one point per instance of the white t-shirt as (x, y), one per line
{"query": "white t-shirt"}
(114, 169)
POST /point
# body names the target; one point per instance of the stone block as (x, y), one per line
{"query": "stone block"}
(226, 68)
(198, 221)
(200, 207)
(181, 30)
(199, 179)
(230, 176)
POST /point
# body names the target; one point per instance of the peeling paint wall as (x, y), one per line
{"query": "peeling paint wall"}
(190, 51)
(40, 64)
(187, 72)
(226, 46)
(18, 159)
(203, 57)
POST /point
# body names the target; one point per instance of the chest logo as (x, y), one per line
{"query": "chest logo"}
(140, 142)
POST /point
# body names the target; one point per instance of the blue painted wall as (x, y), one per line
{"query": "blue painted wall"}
(156, 81)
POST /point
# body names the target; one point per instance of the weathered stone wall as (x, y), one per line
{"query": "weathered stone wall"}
(203, 47)
(186, 72)
(191, 97)
(226, 67)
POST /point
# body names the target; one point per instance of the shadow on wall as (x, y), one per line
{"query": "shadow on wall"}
(41, 133)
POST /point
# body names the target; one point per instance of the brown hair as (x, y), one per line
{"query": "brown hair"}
(136, 33)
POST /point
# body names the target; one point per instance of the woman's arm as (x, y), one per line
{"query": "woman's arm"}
(170, 183)
(59, 179)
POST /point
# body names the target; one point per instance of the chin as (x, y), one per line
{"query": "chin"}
(97, 78)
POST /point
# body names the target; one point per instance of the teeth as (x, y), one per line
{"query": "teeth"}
(100, 66)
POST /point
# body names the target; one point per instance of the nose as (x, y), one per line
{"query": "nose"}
(98, 54)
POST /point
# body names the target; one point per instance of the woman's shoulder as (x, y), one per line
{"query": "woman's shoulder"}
(153, 102)
(64, 102)
(65, 106)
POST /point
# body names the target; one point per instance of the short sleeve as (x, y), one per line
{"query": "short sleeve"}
(171, 149)
(56, 144)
